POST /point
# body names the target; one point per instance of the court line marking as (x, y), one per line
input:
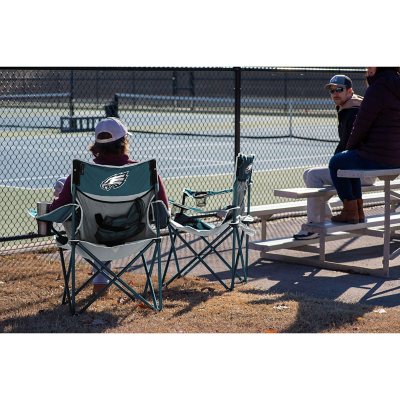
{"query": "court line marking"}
(23, 187)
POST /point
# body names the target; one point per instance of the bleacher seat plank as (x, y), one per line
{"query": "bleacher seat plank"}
(266, 211)
(290, 242)
(303, 192)
(328, 227)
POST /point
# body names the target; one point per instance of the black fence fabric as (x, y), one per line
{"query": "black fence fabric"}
(188, 119)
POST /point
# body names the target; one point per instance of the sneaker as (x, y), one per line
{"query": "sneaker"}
(304, 235)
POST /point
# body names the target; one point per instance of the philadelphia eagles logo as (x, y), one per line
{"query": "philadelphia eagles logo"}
(114, 181)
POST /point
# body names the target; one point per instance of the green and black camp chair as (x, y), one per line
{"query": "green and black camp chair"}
(229, 222)
(114, 215)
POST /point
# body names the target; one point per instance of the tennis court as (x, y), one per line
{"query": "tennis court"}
(29, 165)
(40, 159)
(192, 137)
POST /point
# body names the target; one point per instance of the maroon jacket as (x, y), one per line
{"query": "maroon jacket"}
(376, 130)
(66, 195)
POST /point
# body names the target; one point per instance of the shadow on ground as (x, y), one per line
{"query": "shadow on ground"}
(370, 290)
(61, 322)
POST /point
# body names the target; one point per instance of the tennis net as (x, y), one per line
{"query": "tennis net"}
(35, 99)
(261, 117)
(36, 110)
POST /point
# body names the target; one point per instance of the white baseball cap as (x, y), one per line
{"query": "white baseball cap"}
(114, 127)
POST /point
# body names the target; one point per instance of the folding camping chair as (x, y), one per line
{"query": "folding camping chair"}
(114, 215)
(229, 222)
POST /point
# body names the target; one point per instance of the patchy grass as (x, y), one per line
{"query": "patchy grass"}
(31, 287)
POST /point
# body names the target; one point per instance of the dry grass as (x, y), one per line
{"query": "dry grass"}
(31, 288)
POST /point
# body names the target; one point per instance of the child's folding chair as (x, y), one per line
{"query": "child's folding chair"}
(230, 222)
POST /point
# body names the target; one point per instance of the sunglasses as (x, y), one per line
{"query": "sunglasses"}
(337, 90)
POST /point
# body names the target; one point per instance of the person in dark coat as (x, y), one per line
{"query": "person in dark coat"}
(374, 142)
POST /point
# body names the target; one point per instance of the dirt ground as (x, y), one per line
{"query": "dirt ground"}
(31, 286)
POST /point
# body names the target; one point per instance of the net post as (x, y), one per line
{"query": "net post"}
(238, 89)
(116, 100)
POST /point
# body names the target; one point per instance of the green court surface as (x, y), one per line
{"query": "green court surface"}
(264, 183)
(14, 218)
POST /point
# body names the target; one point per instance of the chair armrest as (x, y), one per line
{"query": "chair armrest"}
(58, 215)
(219, 212)
(201, 196)
(184, 207)
(161, 213)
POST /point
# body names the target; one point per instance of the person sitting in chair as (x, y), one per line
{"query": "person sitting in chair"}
(111, 147)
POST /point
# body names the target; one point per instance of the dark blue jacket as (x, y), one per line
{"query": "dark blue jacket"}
(347, 114)
(376, 130)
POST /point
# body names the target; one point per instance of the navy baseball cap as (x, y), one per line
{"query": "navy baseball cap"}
(341, 81)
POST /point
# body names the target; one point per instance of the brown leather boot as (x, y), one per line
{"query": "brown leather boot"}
(361, 215)
(349, 213)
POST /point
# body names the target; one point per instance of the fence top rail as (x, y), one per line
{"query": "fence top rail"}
(375, 173)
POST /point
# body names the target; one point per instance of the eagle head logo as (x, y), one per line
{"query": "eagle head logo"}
(114, 181)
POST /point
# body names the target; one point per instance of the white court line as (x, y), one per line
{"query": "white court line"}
(24, 188)
(30, 178)
(9, 182)
(194, 167)
(257, 160)
(191, 146)
(296, 158)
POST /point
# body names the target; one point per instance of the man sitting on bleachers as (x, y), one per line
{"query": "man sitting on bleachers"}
(347, 106)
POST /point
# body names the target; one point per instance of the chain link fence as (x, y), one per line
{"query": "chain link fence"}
(192, 120)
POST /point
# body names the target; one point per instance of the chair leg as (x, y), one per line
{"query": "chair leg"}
(149, 272)
(201, 255)
(244, 259)
(237, 255)
(116, 279)
(159, 277)
(66, 293)
(172, 250)
(211, 248)
(198, 258)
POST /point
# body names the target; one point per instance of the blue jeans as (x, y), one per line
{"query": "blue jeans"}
(350, 188)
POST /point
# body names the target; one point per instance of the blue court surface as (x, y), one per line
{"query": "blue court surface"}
(37, 161)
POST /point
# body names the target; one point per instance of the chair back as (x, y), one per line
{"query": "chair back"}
(115, 201)
(242, 182)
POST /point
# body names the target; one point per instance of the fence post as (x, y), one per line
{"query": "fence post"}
(290, 118)
(238, 89)
(71, 93)
(72, 122)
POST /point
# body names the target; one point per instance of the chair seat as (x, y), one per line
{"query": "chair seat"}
(201, 232)
(105, 253)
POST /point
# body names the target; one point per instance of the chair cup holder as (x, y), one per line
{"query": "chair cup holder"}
(43, 226)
